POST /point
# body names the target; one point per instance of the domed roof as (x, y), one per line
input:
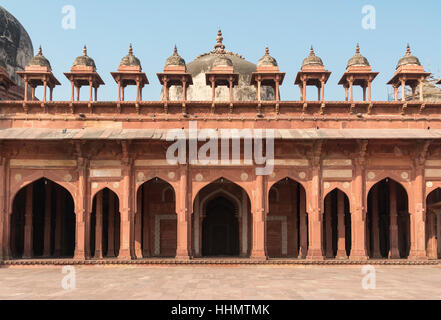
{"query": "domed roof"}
(358, 60)
(267, 60)
(130, 60)
(203, 64)
(312, 59)
(15, 45)
(222, 60)
(84, 60)
(175, 59)
(39, 60)
(408, 59)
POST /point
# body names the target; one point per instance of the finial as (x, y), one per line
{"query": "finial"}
(311, 52)
(85, 51)
(175, 52)
(267, 50)
(408, 49)
(357, 49)
(40, 51)
(130, 49)
(219, 45)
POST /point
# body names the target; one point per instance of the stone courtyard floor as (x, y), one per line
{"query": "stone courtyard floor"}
(220, 282)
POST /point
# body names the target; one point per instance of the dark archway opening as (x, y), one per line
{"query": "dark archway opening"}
(388, 221)
(43, 222)
(337, 225)
(220, 229)
(105, 225)
(433, 222)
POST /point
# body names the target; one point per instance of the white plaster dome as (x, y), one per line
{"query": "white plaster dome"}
(199, 91)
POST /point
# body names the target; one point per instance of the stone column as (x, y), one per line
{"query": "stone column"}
(303, 227)
(341, 244)
(294, 213)
(375, 225)
(244, 204)
(258, 250)
(82, 219)
(111, 227)
(358, 207)
(393, 228)
(4, 215)
(328, 227)
(417, 215)
(146, 224)
(432, 250)
(315, 217)
(59, 217)
(126, 208)
(28, 228)
(99, 226)
(438, 233)
(403, 90)
(138, 225)
(47, 219)
(183, 251)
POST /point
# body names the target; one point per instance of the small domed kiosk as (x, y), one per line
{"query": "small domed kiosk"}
(83, 73)
(312, 73)
(38, 72)
(358, 73)
(409, 72)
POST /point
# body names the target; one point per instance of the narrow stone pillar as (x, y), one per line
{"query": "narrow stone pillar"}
(258, 250)
(295, 213)
(303, 226)
(438, 233)
(82, 219)
(146, 224)
(328, 227)
(138, 226)
(375, 225)
(47, 219)
(341, 243)
(99, 226)
(417, 212)
(432, 250)
(28, 228)
(59, 219)
(183, 251)
(315, 216)
(358, 216)
(111, 227)
(393, 228)
(126, 206)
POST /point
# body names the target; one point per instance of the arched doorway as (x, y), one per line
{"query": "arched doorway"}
(105, 224)
(43, 221)
(433, 224)
(287, 221)
(222, 220)
(220, 228)
(337, 225)
(388, 221)
(156, 220)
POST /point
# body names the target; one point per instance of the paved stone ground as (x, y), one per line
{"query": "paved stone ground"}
(226, 283)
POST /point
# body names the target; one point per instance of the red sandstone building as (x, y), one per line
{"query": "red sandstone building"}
(89, 180)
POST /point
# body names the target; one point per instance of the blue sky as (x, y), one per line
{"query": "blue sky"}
(289, 27)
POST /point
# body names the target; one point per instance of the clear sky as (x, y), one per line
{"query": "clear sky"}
(289, 27)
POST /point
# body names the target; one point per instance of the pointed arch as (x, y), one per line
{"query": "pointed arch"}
(155, 219)
(235, 219)
(433, 224)
(388, 220)
(105, 224)
(337, 229)
(286, 224)
(43, 221)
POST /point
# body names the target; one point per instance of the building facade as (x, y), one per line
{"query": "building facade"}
(91, 180)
